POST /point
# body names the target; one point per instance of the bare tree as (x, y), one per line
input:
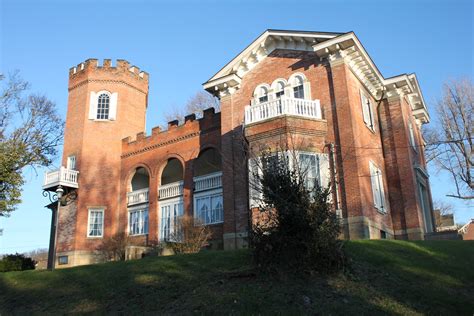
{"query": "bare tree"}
(30, 130)
(195, 105)
(450, 142)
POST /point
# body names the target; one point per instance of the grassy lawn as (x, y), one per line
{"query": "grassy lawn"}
(388, 277)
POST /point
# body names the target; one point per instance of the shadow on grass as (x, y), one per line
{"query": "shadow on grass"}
(388, 278)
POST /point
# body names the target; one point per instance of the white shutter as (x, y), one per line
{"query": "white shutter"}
(307, 90)
(371, 110)
(113, 106)
(375, 188)
(93, 106)
(365, 109)
(382, 193)
(324, 171)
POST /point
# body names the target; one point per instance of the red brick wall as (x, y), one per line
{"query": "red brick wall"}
(97, 145)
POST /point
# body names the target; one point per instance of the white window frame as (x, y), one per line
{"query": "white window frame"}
(322, 170)
(293, 83)
(145, 225)
(367, 111)
(95, 209)
(377, 184)
(209, 194)
(174, 220)
(257, 94)
(71, 162)
(93, 103)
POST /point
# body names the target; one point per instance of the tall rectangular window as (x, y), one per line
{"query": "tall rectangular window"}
(171, 212)
(138, 221)
(209, 209)
(95, 223)
(309, 167)
(71, 163)
(377, 188)
(367, 111)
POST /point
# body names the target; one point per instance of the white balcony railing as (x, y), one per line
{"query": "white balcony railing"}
(208, 181)
(171, 190)
(137, 196)
(61, 176)
(284, 106)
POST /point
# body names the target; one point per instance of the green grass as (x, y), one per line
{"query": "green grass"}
(388, 277)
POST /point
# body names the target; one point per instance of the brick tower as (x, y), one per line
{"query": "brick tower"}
(105, 104)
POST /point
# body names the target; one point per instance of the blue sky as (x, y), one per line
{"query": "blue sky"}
(183, 43)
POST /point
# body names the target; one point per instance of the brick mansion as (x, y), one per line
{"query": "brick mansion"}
(356, 131)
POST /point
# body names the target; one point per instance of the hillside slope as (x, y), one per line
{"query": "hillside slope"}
(394, 277)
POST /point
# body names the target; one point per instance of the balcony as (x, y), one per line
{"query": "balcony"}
(208, 181)
(137, 196)
(280, 107)
(171, 190)
(62, 176)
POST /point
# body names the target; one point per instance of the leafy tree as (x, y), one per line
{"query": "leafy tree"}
(450, 142)
(195, 105)
(30, 130)
(296, 227)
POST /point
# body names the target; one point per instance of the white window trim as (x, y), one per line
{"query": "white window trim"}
(164, 203)
(209, 193)
(95, 209)
(256, 93)
(93, 103)
(323, 175)
(377, 178)
(306, 85)
(135, 209)
(71, 162)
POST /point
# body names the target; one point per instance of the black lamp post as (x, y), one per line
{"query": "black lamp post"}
(59, 194)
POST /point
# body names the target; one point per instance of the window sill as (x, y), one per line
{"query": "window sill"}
(381, 211)
(210, 224)
(137, 235)
(95, 237)
(370, 128)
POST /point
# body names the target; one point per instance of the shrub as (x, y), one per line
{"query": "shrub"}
(16, 262)
(296, 228)
(191, 236)
(114, 248)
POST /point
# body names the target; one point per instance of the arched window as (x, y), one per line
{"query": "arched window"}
(103, 106)
(280, 89)
(262, 95)
(298, 87)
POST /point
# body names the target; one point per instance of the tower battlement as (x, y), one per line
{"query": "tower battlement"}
(191, 127)
(92, 67)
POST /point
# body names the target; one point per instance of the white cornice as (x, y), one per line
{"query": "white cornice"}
(336, 48)
(258, 50)
(348, 48)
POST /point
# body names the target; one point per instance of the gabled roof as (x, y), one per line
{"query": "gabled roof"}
(263, 45)
(326, 45)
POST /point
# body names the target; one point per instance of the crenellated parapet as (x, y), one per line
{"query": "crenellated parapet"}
(174, 133)
(123, 72)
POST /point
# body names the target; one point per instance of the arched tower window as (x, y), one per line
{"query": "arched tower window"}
(280, 89)
(298, 87)
(262, 95)
(103, 106)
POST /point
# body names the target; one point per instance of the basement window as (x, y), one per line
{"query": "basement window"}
(63, 260)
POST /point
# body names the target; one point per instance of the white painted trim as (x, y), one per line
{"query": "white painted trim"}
(95, 209)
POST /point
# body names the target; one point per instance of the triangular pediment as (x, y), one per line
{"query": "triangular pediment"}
(260, 48)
